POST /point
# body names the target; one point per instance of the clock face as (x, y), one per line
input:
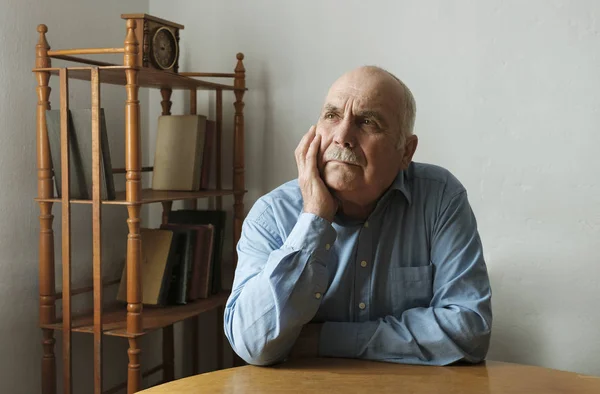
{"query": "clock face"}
(164, 48)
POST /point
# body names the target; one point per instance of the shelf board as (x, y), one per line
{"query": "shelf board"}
(147, 77)
(151, 196)
(114, 318)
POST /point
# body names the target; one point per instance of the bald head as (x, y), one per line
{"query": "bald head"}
(381, 85)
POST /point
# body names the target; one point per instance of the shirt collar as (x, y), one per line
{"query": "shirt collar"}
(402, 184)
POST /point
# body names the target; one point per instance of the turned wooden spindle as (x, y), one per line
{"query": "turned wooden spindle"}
(166, 101)
(193, 111)
(195, 321)
(134, 376)
(47, 311)
(220, 337)
(218, 159)
(238, 156)
(193, 102)
(133, 191)
(167, 206)
(168, 337)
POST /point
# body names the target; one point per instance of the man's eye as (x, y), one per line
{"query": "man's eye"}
(329, 115)
(367, 122)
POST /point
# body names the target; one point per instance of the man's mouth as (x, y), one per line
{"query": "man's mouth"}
(344, 162)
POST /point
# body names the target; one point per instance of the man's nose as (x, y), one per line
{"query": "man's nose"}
(345, 134)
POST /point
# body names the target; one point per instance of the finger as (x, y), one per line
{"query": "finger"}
(306, 139)
(311, 154)
(303, 146)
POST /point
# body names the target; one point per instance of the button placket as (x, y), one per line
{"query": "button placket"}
(362, 279)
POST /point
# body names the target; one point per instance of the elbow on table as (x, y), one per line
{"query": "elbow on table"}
(476, 351)
(255, 348)
(258, 357)
(261, 361)
(260, 354)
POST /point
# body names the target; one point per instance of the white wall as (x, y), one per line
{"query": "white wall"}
(508, 96)
(71, 24)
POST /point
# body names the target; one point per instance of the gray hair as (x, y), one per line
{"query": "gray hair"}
(408, 112)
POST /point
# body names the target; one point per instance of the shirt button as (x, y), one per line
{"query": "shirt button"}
(366, 224)
(362, 305)
(363, 264)
(318, 296)
(327, 247)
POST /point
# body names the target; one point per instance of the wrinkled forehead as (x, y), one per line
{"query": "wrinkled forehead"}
(366, 91)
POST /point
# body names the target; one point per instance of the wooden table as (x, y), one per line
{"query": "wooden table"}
(353, 376)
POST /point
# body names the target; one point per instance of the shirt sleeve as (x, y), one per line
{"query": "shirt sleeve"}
(457, 324)
(278, 285)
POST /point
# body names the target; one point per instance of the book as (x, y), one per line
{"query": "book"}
(178, 153)
(199, 271)
(183, 242)
(158, 253)
(218, 219)
(203, 254)
(209, 143)
(79, 132)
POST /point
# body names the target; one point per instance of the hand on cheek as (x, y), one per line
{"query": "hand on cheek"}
(317, 198)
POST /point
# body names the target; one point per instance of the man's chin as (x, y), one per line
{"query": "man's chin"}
(340, 184)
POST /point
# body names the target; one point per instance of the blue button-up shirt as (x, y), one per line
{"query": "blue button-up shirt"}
(409, 284)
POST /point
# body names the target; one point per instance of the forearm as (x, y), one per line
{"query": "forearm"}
(266, 312)
(428, 336)
(267, 315)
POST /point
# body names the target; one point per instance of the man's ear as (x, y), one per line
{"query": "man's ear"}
(410, 146)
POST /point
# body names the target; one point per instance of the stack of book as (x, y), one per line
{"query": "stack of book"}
(182, 158)
(181, 260)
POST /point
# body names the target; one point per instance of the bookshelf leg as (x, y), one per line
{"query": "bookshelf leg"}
(168, 354)
(134, 377)
(195, 345)
(238, 147)
(133, 187)
(167, 205)
(133, 156)
(47, 298)
(220, 337)
(47, 310)
(48, 363)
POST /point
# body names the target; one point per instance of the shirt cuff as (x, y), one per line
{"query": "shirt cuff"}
(345, 339)
(311, 232)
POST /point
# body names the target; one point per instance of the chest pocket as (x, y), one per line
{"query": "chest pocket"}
(410, 287)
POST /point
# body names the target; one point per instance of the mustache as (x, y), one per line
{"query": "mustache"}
(341, 154)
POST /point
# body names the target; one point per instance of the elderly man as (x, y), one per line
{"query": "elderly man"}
(367, 254)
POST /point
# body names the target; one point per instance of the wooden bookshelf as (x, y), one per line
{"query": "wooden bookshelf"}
(147, 78)
(129, 320)
(150, 196)
(114, 317)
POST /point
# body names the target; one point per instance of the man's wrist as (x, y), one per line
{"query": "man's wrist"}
(318, 211)
(311, 232)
